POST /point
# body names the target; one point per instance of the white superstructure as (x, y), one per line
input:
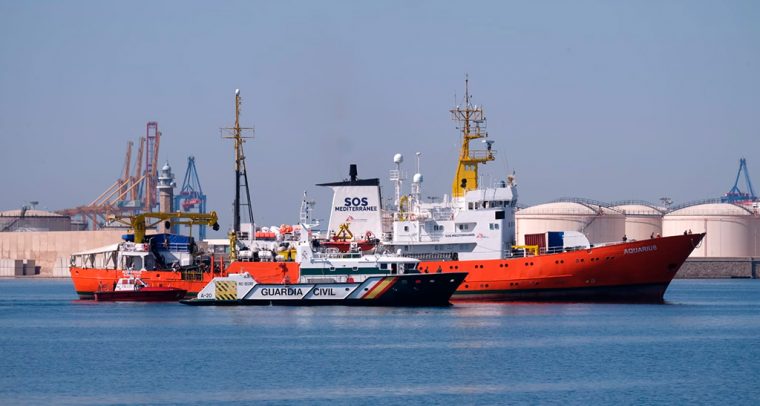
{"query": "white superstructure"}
(481, 225)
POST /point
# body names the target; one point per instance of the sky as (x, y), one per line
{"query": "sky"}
(605, 100)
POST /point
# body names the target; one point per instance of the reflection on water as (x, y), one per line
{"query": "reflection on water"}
(701, 346)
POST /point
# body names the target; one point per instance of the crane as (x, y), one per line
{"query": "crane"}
(128, 194)
(138, 224)
(191, 196)
(735, 195)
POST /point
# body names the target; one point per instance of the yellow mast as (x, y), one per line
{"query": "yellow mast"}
(472, 124)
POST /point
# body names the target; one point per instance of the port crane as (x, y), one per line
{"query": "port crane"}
(130, 193)
(735, 195)
(191, 196)
(138, 224)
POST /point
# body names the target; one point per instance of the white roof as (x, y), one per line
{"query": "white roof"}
(637, 209)
(29, 213)
(565, 208)
(712, 209)
(488, 194)
(107, 248)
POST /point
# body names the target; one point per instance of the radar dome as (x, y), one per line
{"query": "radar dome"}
(417, 178)
(398, 158)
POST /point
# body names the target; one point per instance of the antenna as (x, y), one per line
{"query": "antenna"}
(236, 133)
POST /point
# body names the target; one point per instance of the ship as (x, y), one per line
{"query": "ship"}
(160, 260)
(165, 260)
(134, 289)
(473, 230)
(337, 278)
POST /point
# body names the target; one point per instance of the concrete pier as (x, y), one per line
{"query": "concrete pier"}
(719, 268)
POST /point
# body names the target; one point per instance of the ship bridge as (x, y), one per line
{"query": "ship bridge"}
(489, 198)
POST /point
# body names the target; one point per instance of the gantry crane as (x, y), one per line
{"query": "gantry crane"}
(129, 194)
(191, 197)
(735, 195)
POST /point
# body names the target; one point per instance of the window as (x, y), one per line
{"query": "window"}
(496, 226)
(406, 228)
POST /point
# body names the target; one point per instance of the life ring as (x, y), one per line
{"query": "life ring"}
(368, 235)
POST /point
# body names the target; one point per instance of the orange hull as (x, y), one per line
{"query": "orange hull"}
(87, 281)
(633, 271)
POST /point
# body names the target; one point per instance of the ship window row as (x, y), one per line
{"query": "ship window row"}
(493, 226)
(487, 204)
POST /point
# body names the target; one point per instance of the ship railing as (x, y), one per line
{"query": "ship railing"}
(481, 154)
(521, 252)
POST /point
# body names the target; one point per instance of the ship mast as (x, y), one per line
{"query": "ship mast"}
(236, 134)
(472, 124)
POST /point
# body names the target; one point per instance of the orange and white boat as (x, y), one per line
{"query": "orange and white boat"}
(473, 231)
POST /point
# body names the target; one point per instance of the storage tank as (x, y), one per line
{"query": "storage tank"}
(642, 219)
(33, 220)
(732, 230)
(599, 223)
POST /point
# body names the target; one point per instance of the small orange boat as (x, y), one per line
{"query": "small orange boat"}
(136, 290)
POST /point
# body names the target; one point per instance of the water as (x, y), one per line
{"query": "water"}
(702, 347)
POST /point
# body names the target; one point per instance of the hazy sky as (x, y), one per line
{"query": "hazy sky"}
(607, 100)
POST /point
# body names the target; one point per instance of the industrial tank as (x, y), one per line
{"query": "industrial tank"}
(732, 230)
(33, 220)
(599, 223)
(642, 219)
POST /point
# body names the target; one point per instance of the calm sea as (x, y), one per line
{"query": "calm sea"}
(703, 346)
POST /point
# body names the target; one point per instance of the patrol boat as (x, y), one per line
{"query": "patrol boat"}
(336, 278)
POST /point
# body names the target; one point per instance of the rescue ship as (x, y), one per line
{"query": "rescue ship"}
(473, 230)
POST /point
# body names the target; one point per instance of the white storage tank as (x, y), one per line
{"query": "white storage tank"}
(732, 230)
(642, 219)
(599, 223)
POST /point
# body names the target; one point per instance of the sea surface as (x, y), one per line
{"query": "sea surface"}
(702, 346)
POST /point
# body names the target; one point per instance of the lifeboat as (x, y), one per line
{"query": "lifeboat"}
(134, 289)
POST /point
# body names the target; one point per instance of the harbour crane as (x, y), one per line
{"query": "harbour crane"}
(735, 195)
(191, 197)
(129, 194)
